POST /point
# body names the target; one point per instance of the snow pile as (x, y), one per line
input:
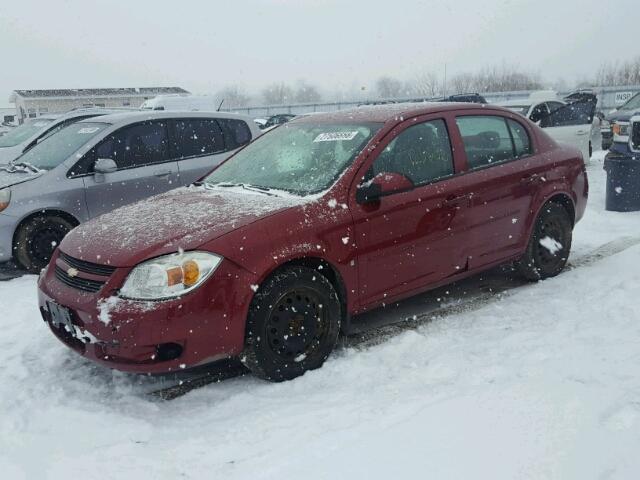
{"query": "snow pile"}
(542, 383)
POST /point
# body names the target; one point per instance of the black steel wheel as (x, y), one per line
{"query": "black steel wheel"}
(293, 324)
(37, 238)
(549, 246)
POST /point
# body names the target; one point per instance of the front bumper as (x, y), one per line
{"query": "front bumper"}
(7, 227)
(205, 325)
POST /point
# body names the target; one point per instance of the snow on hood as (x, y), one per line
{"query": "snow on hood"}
(181, 219)
(13, 175)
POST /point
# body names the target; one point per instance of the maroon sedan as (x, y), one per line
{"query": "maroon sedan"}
(270, 255)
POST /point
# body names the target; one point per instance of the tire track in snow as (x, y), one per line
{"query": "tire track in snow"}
(497, 289)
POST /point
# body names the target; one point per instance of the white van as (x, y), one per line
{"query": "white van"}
(183, 103)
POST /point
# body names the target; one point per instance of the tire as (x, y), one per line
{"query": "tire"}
(554, 228)
(37, 238)
(292, 325)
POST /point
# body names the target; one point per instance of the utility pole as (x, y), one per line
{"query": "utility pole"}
(445, 81)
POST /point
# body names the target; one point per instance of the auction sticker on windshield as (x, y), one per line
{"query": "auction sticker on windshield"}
(87, 130)
(335, 136)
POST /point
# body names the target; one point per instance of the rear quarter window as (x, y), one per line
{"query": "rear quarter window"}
(236, 132)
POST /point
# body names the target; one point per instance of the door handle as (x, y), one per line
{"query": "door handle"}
(456, 200)
(532, 179)
(162, 173)
(581, 132)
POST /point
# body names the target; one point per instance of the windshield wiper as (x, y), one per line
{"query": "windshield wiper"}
(246, 186)
(15, 166)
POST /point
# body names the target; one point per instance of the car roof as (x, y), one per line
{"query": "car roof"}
(390, 112)
(141, 115)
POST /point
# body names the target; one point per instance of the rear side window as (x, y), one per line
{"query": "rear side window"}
(422, 153)
(196, 137)
(521, 141)
(486, 139)
(236, 132)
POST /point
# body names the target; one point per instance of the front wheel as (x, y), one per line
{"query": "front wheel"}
(293, 324)
(37, 238)
(549, 245)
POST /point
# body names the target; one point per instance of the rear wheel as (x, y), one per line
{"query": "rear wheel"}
(293, 324)
(549, 245)
(37, 238)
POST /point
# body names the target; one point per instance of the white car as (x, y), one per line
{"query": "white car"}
(568, 120)
(20, 139)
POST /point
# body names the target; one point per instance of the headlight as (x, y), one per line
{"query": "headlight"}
(5, 198)
(621, 132)
(169, 276)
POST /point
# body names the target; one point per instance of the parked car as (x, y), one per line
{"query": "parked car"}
(278, 119)
(95, 165)
(458, 97)
(322, 218)
(20, 139)
(183, 102)
(569, 120)
(621, 116)
(626, 139)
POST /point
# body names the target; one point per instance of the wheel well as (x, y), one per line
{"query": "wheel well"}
(45, 213)
(328, 271)
(566, 202)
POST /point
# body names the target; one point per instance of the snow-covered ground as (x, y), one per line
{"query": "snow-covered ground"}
(542, 383)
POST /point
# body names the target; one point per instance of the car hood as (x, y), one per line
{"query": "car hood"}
(10, 176)
(622, 115)
(7, 154)
(183, 219)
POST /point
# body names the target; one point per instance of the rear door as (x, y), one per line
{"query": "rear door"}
(502, 175)
(199, 146)
(145, 168)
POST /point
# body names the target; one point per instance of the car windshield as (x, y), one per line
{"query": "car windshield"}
(302, 158)
(54, 150)
(521, 109)
(25, 131)
(632, 104)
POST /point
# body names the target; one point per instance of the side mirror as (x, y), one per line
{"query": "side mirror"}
(105, 165)
(383, 184)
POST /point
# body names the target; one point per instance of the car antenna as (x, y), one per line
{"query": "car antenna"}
(220, 106)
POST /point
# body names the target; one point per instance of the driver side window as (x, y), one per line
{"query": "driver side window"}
(422, 153)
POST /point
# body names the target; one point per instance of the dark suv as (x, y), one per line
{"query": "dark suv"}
(621, 116)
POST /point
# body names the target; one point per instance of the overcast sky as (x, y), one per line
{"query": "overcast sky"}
(204, 45)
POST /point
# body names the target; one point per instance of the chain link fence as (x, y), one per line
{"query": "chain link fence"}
(608, 99)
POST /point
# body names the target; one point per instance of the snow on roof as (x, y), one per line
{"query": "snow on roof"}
(93, 92)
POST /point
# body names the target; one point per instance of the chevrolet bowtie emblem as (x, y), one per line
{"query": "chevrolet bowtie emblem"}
(72, 272)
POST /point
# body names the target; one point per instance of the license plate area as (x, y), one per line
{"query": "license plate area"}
(60, 316)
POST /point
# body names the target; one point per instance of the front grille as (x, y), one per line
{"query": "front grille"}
(635, 135)
(78, 283)
(88, 267)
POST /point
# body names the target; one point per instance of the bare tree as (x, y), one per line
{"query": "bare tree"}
(425, 84)
(233, 96)
(388, 87)
(306, 93)
(278, 94)
(463, 83)
(617, 74)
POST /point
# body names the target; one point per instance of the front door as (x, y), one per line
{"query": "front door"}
(141, 152)
(407, 240)
(571, 123)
